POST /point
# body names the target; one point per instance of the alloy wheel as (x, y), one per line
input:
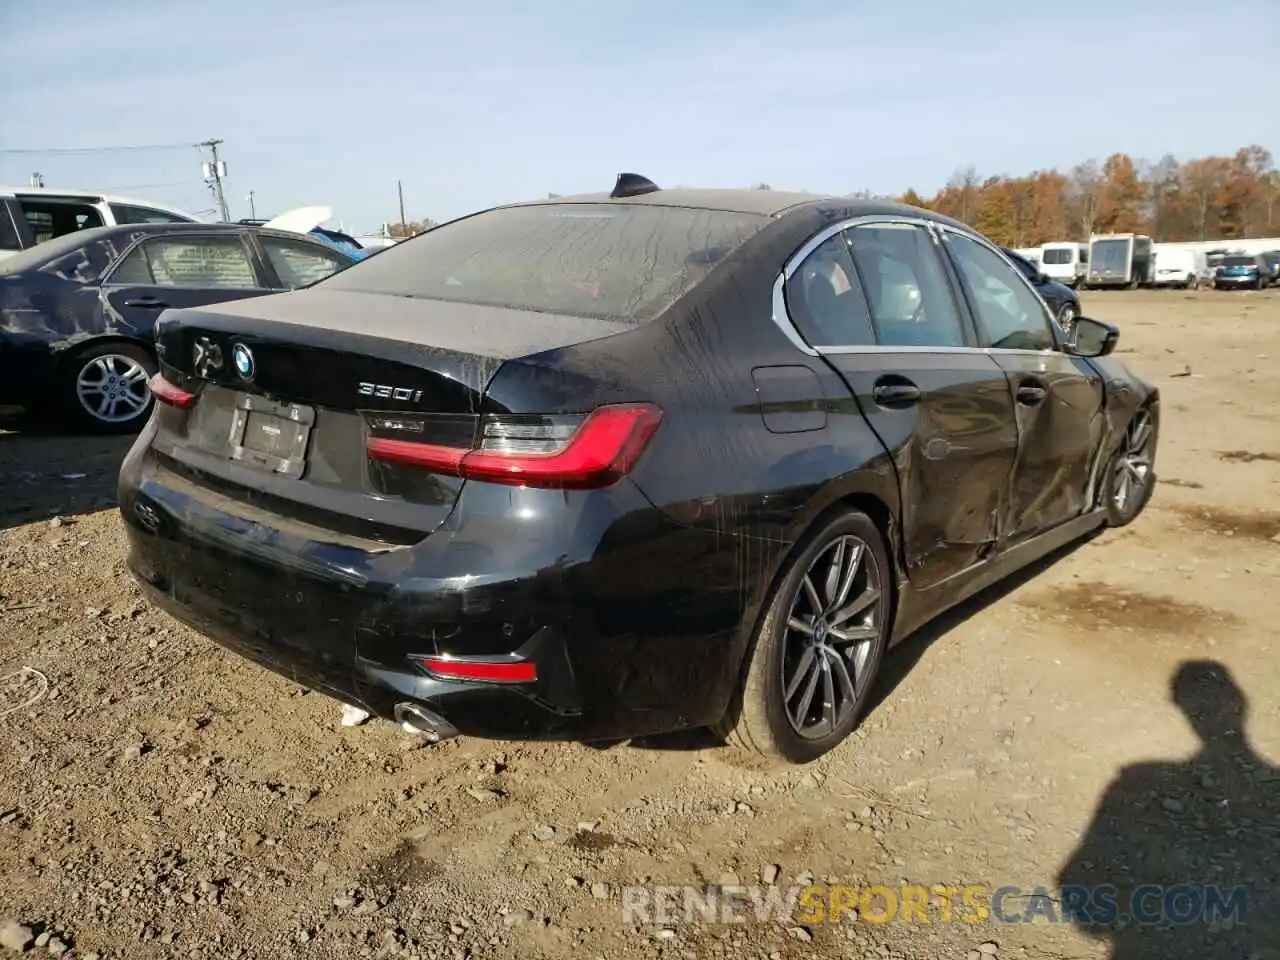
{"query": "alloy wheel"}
(1133, 463)
(113, 388)
(1066, 317)
(832, 626)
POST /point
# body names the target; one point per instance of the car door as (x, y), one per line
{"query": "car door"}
(875, 300)
(1058, 398)
(185, 269)
(293, 263)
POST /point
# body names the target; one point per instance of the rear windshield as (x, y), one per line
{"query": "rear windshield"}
(612, 261)
(1057, 256)
(1239, 262)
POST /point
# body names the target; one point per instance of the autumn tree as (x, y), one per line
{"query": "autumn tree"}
(1121, 197)
(1203, 182)
(913, 199)
(410, 229)
(1221, 196)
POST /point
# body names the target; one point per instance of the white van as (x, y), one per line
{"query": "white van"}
(31, 215)
(1180, 267)
(1065, 261)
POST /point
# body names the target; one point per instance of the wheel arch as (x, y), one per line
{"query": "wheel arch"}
(67, 352)
(875, 496)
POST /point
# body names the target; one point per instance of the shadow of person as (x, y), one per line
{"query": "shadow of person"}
(1182, 859)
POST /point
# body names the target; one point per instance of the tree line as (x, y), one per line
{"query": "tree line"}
(1209, 198)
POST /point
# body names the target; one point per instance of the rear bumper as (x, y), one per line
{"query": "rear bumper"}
(615, 653)
(1237, 281)
(548, 709)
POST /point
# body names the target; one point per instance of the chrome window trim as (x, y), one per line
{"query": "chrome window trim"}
(782, 318)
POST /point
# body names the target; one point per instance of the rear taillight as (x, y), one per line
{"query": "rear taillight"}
(480, 669)
(166, 392)
(559, 452)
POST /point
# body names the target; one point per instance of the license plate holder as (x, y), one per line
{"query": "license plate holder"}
(271, 436)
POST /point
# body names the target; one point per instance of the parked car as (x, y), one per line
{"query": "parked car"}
(608, 465)
(1062, 300)
(31, 215)
(1273, 261)
(1065, 261)
(77, 313)
(1242, 271)
(1179, 267)
(336, 238)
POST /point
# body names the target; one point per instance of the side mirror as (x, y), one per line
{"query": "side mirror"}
(1093, 338)
(1042, 279)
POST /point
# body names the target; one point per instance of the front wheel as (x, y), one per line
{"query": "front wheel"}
(1067, 317)
(818, 647)
(1131, 478)
(105, 388)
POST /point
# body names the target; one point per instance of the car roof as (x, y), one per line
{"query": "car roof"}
(63, 193)
(769, 203)
(89, 234)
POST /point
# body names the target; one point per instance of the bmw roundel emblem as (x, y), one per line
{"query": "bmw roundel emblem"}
(242, 357)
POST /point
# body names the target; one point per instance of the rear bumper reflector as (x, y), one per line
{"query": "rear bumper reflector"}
(173, 395)
(480, 670)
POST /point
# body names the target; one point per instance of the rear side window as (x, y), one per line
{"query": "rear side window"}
(49, 219)
(1058, 256)
(299, 264)
(129, 213)
(910, 297)
(188, 262)
(612, 261)
(825, 300)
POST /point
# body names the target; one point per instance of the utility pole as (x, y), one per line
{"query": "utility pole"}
(400, 190)
(214, 171)
(253, 213)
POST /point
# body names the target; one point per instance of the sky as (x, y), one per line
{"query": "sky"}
(475, 103)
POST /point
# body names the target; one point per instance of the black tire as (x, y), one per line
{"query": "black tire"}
(1135, 446)
(758, 719)
(131, 365)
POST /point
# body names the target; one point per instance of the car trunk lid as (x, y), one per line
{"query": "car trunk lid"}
(289, 388)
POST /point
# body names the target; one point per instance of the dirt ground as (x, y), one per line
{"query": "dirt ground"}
(162, 798)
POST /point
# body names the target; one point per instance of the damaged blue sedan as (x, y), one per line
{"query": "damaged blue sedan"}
(77, 313)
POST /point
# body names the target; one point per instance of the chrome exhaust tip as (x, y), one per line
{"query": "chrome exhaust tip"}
(422, 721)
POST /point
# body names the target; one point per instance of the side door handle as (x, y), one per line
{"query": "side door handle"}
(895, 393)
(1031, 393)
(147, 303)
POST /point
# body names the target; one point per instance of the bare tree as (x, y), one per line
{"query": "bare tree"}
(965, 183)
(1083, 189)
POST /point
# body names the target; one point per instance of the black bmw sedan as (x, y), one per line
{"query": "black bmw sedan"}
(616, 464)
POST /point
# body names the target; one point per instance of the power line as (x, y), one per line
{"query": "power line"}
(151, 186)
(81, 150)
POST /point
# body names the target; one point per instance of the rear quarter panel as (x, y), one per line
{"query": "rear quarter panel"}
(730, 496)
